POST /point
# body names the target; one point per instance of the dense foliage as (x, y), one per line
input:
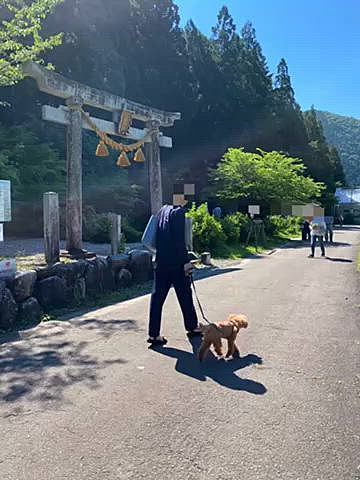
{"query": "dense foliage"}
(218, 236)
(221, 85)
(20, 36)
(32, 166)
(344, 134)
(207, 230)
(263, 176)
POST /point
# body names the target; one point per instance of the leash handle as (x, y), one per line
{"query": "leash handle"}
(198, 301)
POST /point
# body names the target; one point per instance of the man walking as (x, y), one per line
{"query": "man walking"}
(172, 268)
(318, 229)
(305, 231)
(329, 229)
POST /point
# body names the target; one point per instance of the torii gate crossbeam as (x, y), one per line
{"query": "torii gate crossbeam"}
(76, 95)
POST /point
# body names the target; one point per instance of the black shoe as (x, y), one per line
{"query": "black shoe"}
(311, 255)
(323, 254)
(157, 342)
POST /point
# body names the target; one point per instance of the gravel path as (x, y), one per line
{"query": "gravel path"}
(35, 246)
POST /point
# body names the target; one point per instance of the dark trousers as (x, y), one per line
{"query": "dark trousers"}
(164, 279)
(314, 238)
(305, 234)
(329, 235)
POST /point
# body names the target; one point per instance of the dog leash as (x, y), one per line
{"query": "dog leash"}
(199, 303)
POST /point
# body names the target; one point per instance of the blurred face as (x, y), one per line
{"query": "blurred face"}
(179, 200)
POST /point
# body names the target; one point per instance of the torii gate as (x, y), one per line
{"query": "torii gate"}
(76, 95)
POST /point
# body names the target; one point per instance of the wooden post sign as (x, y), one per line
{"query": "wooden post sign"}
(5, 205)
(51, 227)
(76, 96)
(115, 233)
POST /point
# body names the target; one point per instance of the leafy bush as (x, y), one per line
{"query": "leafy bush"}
(236, 227)
(276, 224)
(96, 226)
(208, 232)
(32, 166)
(231, 228)
(131, 233)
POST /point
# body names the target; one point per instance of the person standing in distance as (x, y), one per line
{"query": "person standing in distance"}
(318, 229)
(172, 267)
(329, 234)
(306, 230)
(217, 212)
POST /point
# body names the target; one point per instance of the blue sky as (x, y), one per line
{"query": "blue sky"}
(320, 40)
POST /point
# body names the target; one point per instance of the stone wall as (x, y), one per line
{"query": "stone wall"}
(30, 294)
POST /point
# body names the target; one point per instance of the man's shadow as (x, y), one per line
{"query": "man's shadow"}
(221, 371)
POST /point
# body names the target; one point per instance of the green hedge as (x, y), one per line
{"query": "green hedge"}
(211, 234)
(97, 226)
(208, 233)
(277, 225)
(236, 227)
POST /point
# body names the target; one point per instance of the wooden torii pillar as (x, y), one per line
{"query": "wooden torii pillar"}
(76, 95)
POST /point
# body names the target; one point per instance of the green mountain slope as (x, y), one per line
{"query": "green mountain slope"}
(344, 133)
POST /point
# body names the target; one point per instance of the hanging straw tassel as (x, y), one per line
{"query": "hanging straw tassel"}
(125, 122)
(139, 156)
(123, 160)
(102, 150)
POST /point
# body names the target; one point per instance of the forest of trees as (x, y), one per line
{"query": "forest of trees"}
(344, 134)
(136, 48)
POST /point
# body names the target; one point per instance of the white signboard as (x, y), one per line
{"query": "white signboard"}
(308, 210)
(5, 201)
(254, 209)
(1, 232)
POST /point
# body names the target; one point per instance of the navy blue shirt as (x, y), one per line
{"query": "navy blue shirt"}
(171, 250)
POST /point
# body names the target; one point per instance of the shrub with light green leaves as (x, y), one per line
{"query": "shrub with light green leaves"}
(277, 225)
(236, 227)
(208, 232)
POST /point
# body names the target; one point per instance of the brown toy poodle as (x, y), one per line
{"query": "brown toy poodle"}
(213, 334)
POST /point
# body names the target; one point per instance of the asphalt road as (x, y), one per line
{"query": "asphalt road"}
(86, 399)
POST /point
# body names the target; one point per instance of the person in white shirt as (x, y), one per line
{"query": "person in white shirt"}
(318, 230)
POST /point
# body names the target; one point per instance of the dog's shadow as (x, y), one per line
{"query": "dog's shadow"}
(220, 371)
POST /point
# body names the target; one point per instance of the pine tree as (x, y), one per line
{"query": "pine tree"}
(322, 162)
(291, 129)
(259, 79)
(225, 30)
(283, 87)
(339, 175)
(314, 128)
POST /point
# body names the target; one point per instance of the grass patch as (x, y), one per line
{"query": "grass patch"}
(237, 251)
(24, 263)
